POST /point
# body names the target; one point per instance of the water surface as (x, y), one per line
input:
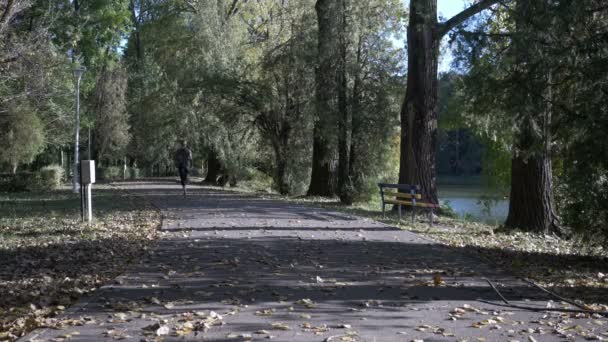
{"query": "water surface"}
(466, 201)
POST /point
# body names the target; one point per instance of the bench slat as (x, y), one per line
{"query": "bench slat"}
(418, 204)
(405, 187)
(401, 195)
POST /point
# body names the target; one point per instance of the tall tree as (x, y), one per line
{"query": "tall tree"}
(518, 62)
(322, 182)
(531, 204)
(419, 109)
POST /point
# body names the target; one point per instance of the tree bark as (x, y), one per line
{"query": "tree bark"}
(321, 179)
(419, 110)
(345, 186)
(214, 167)
(281, 173)
(321, 182)
(356, 119)
(531, 205)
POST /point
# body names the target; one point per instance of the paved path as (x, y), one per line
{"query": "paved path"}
(233, 267)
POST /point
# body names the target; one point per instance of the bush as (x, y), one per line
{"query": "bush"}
(133, 173)
(16, 183)
(50, 177)
(257, 180)
(110, 173)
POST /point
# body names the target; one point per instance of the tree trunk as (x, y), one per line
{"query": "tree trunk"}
(419, 110)
(280, 145)
(345, 186)
(321, 181)
(531, 205)
(214, 167)
(356, 119)
(282, 185)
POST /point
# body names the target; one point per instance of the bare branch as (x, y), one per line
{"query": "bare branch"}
(445, 27)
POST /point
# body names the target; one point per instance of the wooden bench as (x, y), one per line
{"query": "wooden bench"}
(404, 194)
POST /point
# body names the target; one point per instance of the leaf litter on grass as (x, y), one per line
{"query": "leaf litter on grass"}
(51, 259)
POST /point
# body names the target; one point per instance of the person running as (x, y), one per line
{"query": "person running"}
(183, 162)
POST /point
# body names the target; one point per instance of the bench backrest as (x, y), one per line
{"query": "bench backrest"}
(406, 188)
(402, 191)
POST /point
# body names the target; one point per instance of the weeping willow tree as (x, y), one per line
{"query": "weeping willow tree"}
(22, 136)
(111, 121)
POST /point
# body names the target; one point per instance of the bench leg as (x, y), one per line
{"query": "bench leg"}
(431, 216)
(413, 214)
(399, 212)
(383, 210)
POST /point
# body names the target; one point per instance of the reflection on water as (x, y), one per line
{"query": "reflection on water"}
(466, 202)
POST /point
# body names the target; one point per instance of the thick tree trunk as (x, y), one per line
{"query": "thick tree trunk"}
(321, 182)
(419, 111)
(531, 205)
(281, 175)
(355, 121)
(321, 179)
(345, 186)
(280, 145)
(214, 167)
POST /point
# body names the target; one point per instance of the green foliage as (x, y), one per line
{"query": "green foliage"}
(21, 136)
(110, 173)
(18, 182)
(238, 83)
(134, 173)
(537, 73)
(109, 105)
(51, 177)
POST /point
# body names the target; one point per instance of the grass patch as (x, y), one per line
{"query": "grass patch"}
(49, 259)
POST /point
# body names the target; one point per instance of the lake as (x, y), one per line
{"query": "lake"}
(465, 199)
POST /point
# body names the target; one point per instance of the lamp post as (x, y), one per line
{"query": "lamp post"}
(78, 71)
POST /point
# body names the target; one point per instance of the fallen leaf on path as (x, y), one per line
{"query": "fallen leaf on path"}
(163, 330)
(280, 326)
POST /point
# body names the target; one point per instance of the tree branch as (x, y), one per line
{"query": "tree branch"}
(6, 14)
(445, 27)
(8, 60)
(232, 9)
(191, 5)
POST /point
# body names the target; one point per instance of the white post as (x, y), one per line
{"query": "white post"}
(88, 179)
(89, 203)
